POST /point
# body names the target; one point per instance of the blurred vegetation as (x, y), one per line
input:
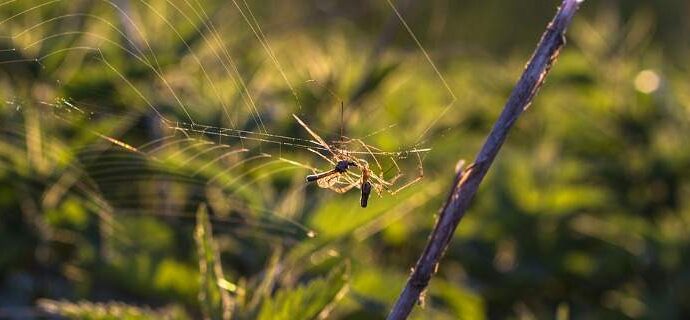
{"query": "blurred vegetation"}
(108, 212)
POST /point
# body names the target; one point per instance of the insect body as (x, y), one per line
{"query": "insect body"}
(366, 191)
(340, 167)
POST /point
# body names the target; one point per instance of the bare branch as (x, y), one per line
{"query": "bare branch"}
(467, 181)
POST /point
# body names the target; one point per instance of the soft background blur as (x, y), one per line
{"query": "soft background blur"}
(585, 213)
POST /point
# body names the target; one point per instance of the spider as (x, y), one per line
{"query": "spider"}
(341, 179)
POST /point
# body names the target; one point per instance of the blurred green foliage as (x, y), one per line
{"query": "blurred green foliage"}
(107, 212)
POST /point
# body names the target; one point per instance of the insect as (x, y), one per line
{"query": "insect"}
(341, 177)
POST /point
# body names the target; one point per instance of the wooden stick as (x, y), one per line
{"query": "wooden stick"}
(467, 181)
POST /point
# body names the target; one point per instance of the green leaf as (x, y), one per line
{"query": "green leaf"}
(312, 300)
(215, 301)
(109, 311)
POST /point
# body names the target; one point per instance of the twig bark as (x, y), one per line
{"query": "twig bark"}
(467, 181)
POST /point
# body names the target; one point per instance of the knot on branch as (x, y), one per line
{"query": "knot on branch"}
(420, 279)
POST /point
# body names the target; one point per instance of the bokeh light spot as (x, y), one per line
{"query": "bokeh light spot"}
(647, 81)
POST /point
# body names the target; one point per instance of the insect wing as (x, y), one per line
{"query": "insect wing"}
(328, 181)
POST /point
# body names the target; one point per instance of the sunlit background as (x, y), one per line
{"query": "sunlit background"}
(151, 166)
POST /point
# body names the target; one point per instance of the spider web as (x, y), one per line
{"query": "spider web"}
(181, 102)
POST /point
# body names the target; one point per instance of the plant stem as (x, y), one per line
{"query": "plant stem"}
(467, 181)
